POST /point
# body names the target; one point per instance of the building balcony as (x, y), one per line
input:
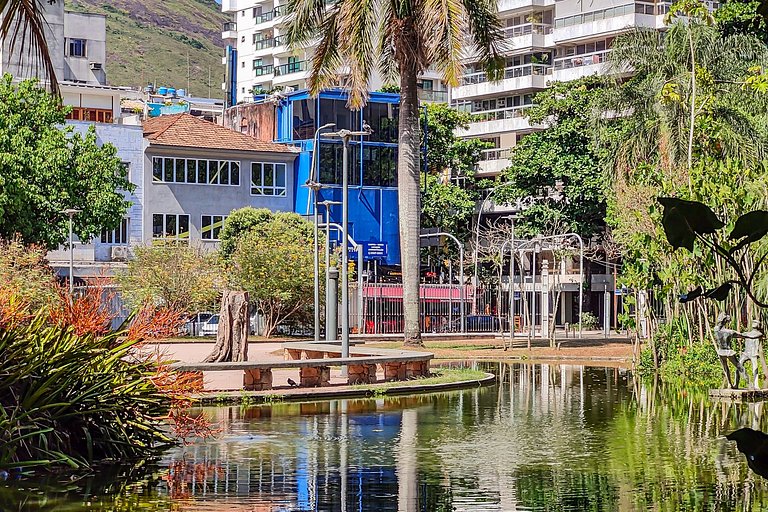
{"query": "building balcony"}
(229, 30)
(611, 21)
(493, 162)
(264, 73)
(263, 18)
(432, 96)
(511, 6)
(516, 78)
(291, 68)
(529, 35)
(578, 66)
(502, 120)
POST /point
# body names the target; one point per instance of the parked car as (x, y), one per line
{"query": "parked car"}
(211, 326)
(482, 323)
(193, 326)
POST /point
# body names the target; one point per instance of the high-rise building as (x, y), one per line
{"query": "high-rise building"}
(259, 60)
(548, 41)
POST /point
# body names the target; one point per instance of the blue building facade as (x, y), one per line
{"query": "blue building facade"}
(373, 208)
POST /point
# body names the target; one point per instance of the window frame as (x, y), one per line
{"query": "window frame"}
(74, 41)
(163, 176)
(177, 236)
(272, 190)
(212, 232)
(118, 236)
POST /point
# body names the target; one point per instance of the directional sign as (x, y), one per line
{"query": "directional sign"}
(371, 251)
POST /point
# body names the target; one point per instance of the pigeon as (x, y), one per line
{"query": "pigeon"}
(292, 383)
(754, 445)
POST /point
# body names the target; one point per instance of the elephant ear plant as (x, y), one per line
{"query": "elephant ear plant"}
(687, 222)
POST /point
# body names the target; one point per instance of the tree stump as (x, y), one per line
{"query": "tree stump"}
(232, 336)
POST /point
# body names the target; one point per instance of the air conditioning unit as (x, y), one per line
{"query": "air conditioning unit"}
(96, 66)
(120, 253)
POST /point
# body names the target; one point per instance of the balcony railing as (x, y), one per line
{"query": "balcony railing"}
(291, 67)
(528, 29)
(263, 18)
(496, 154)
(280, 10)
(262, 44)
(587, 59)
(602, 14)
(229, 26)
(431, 95)
(263, 70)
(499, 113)
(511, 72)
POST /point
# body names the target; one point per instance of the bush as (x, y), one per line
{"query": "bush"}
(74, 400)
(588, 321)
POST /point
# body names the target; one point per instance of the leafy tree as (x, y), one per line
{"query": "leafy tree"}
(273, 262)
(25, 276)
(45, 168)
(175, 276)
(398, 38)
(238, 223)
(742, 17)
(567, 151)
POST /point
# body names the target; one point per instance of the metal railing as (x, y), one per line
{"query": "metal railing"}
(496, 154)
(587, 59)
(291, 67)
(229, 26)
(432, 95)
(264, 70)
(602, 14)
(528, 29)
(263, 18)
(500, 113)
(510, 72)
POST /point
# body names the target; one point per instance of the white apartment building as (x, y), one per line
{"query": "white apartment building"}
(264, 62)
(548, 40)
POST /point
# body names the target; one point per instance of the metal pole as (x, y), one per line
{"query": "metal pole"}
(360, 319)
(512, 285)
(316, 258)
(533, 296)
(71, 262)
(331, 311)
(581, 279)
(327, 272)
(462, 290)
(345, 254)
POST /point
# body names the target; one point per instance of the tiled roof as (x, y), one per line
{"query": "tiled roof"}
(189, 131)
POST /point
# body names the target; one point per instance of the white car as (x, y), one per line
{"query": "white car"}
(211, 326)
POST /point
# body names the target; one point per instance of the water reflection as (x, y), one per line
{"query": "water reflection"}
(754, 445)
(547, 437)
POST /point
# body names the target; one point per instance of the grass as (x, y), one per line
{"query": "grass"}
(439, 376)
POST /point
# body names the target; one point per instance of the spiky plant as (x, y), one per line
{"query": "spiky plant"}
(398, 38)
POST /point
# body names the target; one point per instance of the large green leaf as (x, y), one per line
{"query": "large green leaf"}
(753, 225)
(683, 220)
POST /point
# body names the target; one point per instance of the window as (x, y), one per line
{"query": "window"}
(268, 179)
(383, 118)
(77, 48)
(191, 170)
(332, 164)
(117, 236)
(170, 226)
(336, 111)
(211, 225)
(304, 119)
(379, 166)
(98, 115)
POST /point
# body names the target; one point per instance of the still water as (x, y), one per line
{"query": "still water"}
(546, 437)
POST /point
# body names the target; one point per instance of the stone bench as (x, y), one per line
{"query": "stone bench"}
(314, 362)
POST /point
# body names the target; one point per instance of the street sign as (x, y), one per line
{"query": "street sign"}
(371, 251)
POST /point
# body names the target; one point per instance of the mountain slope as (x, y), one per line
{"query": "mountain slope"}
(152, 42)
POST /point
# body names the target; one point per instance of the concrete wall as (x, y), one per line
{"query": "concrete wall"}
(92, 28)
(29, 67)
(81, 96)
(256, 120)
(198, 200)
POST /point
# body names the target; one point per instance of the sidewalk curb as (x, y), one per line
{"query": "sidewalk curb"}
(274, 396)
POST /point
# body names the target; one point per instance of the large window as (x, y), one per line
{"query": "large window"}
(189, 170)
(379, 166)
(303, 119)
(336, 111)
(332, 163)
(383, 118)
(98, 115)
(117, 236)
(210, 227)
(77, 48)
(170, 226)
(268, 179)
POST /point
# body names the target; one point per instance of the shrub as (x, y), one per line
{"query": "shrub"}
(588, 321)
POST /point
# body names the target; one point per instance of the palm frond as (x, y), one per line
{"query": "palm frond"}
(446, 19)
(487, 34)
(23, 28)
(305, 21)
(327, 59)
(359, 23)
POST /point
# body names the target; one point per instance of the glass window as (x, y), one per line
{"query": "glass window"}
(170, 226)
(304, 125)
(77, 48)
(202, 171)
(383, 118)
(224, 173)
(234, 173)
(168, 170)
(268, 179)
(336, 111)
(157, 169)
(210, 226)
(191, 171)
(180, 170)
(116, 236)
(332, 163)
(213, 172)
(379, 166)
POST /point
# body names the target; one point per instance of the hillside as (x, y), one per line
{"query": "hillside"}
(149, 42)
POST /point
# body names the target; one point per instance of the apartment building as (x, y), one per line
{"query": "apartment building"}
(548, 41)
(259, 60)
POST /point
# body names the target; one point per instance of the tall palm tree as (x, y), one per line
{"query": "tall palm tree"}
(687, 95)
(22, 28)
(398, 37)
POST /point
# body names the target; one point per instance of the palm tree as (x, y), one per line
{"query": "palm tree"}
(398, 37)
(23, 29)
(687, 96)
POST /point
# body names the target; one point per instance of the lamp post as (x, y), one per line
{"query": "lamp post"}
(314, 184)
(71, 212)
(345, 136)
(327, 204)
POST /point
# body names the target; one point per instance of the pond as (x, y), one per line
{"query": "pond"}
(546, 437)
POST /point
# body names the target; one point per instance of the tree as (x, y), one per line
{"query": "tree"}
(47, 168)
(742, 17)
(238, 223)
(175, 276)
(397, 37)
(567, 151)
(273, 262)
(23, 28)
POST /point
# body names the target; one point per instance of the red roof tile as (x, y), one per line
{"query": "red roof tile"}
(189, 131)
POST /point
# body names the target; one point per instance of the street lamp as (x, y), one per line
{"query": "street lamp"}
(314, 184)
(345, 135)
(327, 204)
(71, 212)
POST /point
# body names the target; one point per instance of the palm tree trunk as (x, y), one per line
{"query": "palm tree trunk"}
(409, 199)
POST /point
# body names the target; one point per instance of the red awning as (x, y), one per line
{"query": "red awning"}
(425, 292)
